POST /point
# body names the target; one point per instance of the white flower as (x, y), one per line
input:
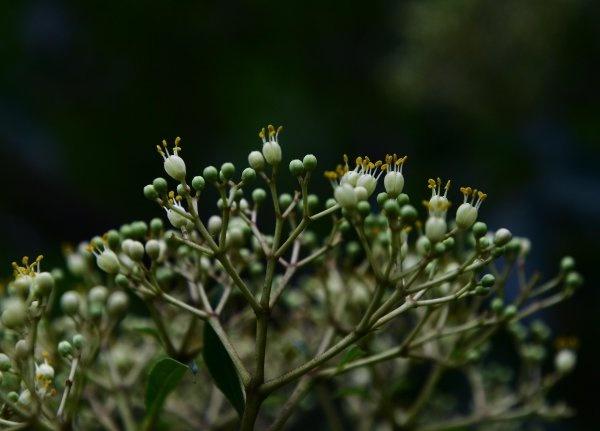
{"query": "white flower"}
(175, 214)
(271, 149)
(352, 186)
(435, 228)
(108, 261)
(438, 203)
(345, 196)
(466, 214)
(393, 181)
(173, 164)
(565, 361)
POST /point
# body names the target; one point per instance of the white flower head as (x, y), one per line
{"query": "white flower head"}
(352, 186)
(393, 180)
(106, 259)
(466, 214)
(369, 174)
(438, 204)
(173, 164)
(271, 149)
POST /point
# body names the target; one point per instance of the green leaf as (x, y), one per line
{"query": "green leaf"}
(351, 354)
(221, 368)
(164, 376)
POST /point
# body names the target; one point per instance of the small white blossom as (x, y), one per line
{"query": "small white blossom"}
(271, 149)
(393, 181)
(173, 164)
(466, 214)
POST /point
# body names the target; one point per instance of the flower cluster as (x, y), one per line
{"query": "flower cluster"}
(268, 294)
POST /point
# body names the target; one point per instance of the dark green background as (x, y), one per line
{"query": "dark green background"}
(502, 95)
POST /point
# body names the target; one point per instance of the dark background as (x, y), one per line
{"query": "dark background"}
(499, 95)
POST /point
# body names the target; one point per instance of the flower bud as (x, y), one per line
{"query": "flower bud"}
(435, 229)
(22, 284)
(78, 341)
(285, 200)
(408, 213)
(382, 198)
(235, 237)
(69, 302)
(256, 160)
(150, 192)
(479, 229)
(98, 294)
(24, 397)
(466, 214)
(573, 279)
(393, 182)
(122, 281)
(5, 363)
(214, 224)
(227, 170)
(153, 249)
(345, 196)
(65, 349)
(135, 251)
(175, 167)
(198, 183)
(567, 264)
(108, 261)
(43, 283)
(44, 371)
(364, 208)
(296, 167)
(210, 174)
(423, 245)
(391, 208)
(248, 175)
(309, 162)
(259, 195)
(565, 361)
(12, 396)
(22, 349)
(14, 314)
(502, 237)
(117, 304)
(488, 280)
(160, 185)
(156, 226)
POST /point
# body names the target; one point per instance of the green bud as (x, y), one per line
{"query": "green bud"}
(498, 251)
(65, 349)
(139, 229)
(353, 249)
(227, 170)
(329, 203)
(198, 183)
(483, 242)
(235, 237)
(97, 242)
(479, 229)
(567, 264)
(22, 349)
(78, 341)
(210, 174)
(391, 208)
(248, 176)
(448, 243)
(403, 199)
(5, 363)
(502, 237)
(182, 190)
(497, 305)
(309, 239)
(313, 201)
(514, 246)
(125, 231)
(345, 226)
(117, 304)
(439, 248)
(121, 281)
(69, 302)
(43, 283)
(13, 397)
(488, 280)
(150, 192)
(259, 195)
(160, 186)
(285, 200)
(256, 160)
(364, 208)
(214, 224)
(408, 213)
(113, 238)
(574, 280)
(510, 312)
(98, 294)
(135, 251)
(382, 198)
(156, 226)
(153, 249)
(14, 314)
(256, 268)
(310, 162)
(296, 167)
(108, 262)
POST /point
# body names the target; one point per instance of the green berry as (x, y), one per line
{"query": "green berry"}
(156, 226)
(497, 305)
(510, 311)
(113, 238)
(573, 279)
(364, 208)
(567, 264)
(488, 280)
(310, 162)
(259, 195)
(65, 349)
(391, 208)
(403, 199)
(285, 200)
(382, 198)
(448, 243)
(198, 183)
(78, 341)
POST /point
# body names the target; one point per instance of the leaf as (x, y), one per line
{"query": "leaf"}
(351, 354)
(164, 376)
(221, 368)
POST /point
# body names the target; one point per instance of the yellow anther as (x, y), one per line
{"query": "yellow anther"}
(160, 150)
(261, 133)
(378, 163)
(384, 167)
(331, 175)
(359, 161)
(431, 183)
(177, 141)
(481, 195)
(425, 204)
(345, 157)
(171, 194)
(466, 190)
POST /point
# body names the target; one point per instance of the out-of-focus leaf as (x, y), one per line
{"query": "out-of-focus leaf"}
(164, 376)
(221, 368)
